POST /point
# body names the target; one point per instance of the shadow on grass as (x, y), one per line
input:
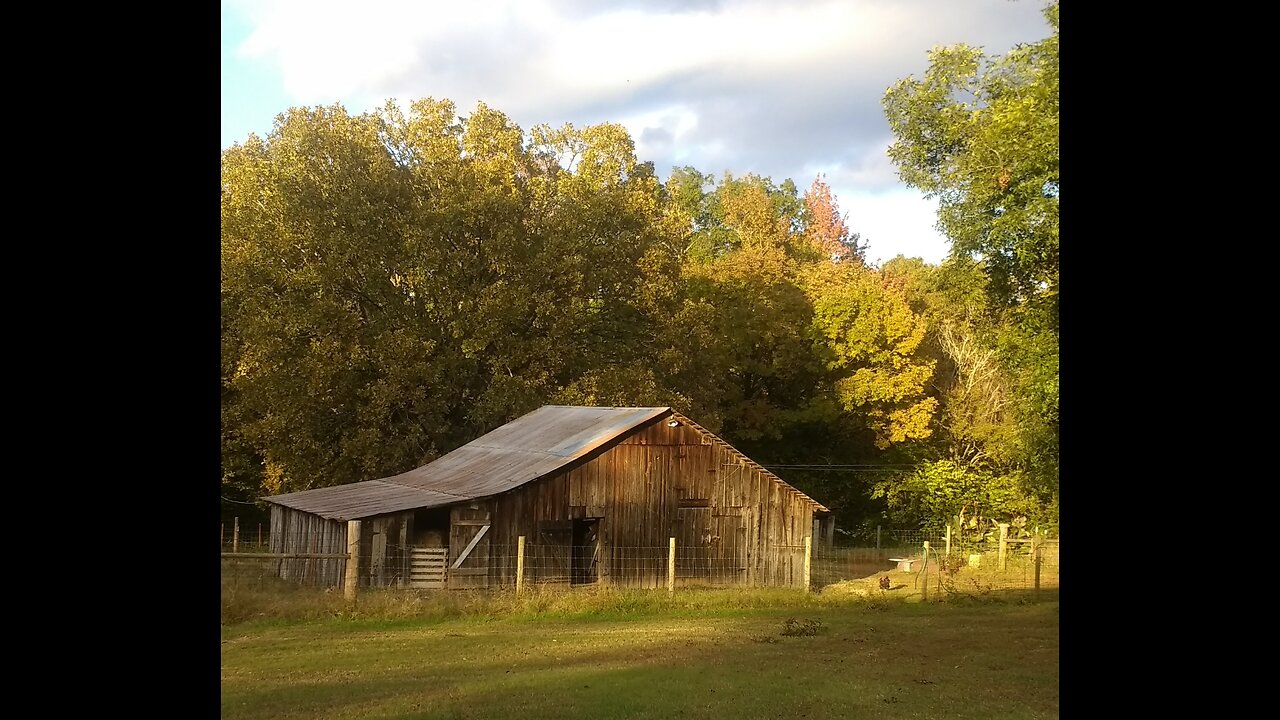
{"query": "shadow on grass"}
(868, 664)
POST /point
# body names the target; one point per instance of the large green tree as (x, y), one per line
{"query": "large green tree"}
(981, 135)
(395, 285)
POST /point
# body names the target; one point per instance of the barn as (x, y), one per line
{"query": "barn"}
(596, 493)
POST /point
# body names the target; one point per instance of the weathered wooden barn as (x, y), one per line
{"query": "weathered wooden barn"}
(596, 491)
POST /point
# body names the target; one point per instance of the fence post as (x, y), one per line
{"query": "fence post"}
(235, 537)
(1004, 536)
(222, 535)
(671, 567)
(948, 539)
(808, 558)
(520, 565)
(1035, 556)
(352, 578)
(877, 538)
(924, 573)
(259, 537)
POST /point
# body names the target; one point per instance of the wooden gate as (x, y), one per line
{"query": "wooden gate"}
(469, 548)
(427, 567)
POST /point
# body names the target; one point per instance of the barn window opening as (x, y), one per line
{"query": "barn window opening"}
(431, 528)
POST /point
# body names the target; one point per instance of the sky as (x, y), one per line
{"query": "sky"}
(779, 89)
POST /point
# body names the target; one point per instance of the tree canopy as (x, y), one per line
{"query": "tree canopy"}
(397, 283)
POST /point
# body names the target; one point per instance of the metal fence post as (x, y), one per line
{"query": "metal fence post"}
(1004, 537)
(352, 578)
(671, 567)
(520, 565)
(235, 537)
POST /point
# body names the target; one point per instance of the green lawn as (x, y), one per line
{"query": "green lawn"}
(875, 660)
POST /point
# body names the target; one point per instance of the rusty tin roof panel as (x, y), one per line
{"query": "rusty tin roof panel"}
(524, 449)
(363, 499)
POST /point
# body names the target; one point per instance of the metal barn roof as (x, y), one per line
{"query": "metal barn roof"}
(523, 450)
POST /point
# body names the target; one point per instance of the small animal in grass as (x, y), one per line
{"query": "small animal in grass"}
(884, 582)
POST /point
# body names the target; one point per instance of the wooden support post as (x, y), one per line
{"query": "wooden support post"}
(1035, 557)
(259, 536)
(352, 578)
(520, 565)
(808, 558)
(948, 553)
(671, 567)
(1004, 537)
(924, 573)
(222, 535)
(235, 537)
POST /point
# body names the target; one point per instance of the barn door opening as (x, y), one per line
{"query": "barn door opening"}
(586, 551)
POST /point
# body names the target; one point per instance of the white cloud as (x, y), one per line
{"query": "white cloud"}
(779, 89)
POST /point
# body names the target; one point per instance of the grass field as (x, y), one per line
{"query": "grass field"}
(709, 654)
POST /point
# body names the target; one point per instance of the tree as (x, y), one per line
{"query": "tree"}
(825, 226)
(982, 136)
(395, 285)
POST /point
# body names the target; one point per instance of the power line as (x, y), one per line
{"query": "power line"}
(238, 502)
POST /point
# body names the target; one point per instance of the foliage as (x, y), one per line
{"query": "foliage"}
(954, 492)
(395, 284)
(791, 627)
(982, 135)
(826, 228)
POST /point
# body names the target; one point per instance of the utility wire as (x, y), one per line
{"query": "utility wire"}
(238, 502)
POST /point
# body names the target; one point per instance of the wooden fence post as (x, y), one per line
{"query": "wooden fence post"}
(808, 558)
(877, 537)
(924, 573)
(948, 553)
(222, 535)
(520, 565)
(1004, 537)
(671, 567)
(235, 537)
(352, 578)
(259, 537)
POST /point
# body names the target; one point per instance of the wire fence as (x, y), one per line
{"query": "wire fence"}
(950, 564)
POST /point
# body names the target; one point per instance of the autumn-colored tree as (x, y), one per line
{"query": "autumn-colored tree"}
(826, 228)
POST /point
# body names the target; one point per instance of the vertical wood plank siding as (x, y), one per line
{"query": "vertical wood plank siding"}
(751, 529)
(294, 531)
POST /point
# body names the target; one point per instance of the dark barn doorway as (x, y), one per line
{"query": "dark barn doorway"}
(586, 551)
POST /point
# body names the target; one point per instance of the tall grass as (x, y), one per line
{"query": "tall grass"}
(285, 601)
